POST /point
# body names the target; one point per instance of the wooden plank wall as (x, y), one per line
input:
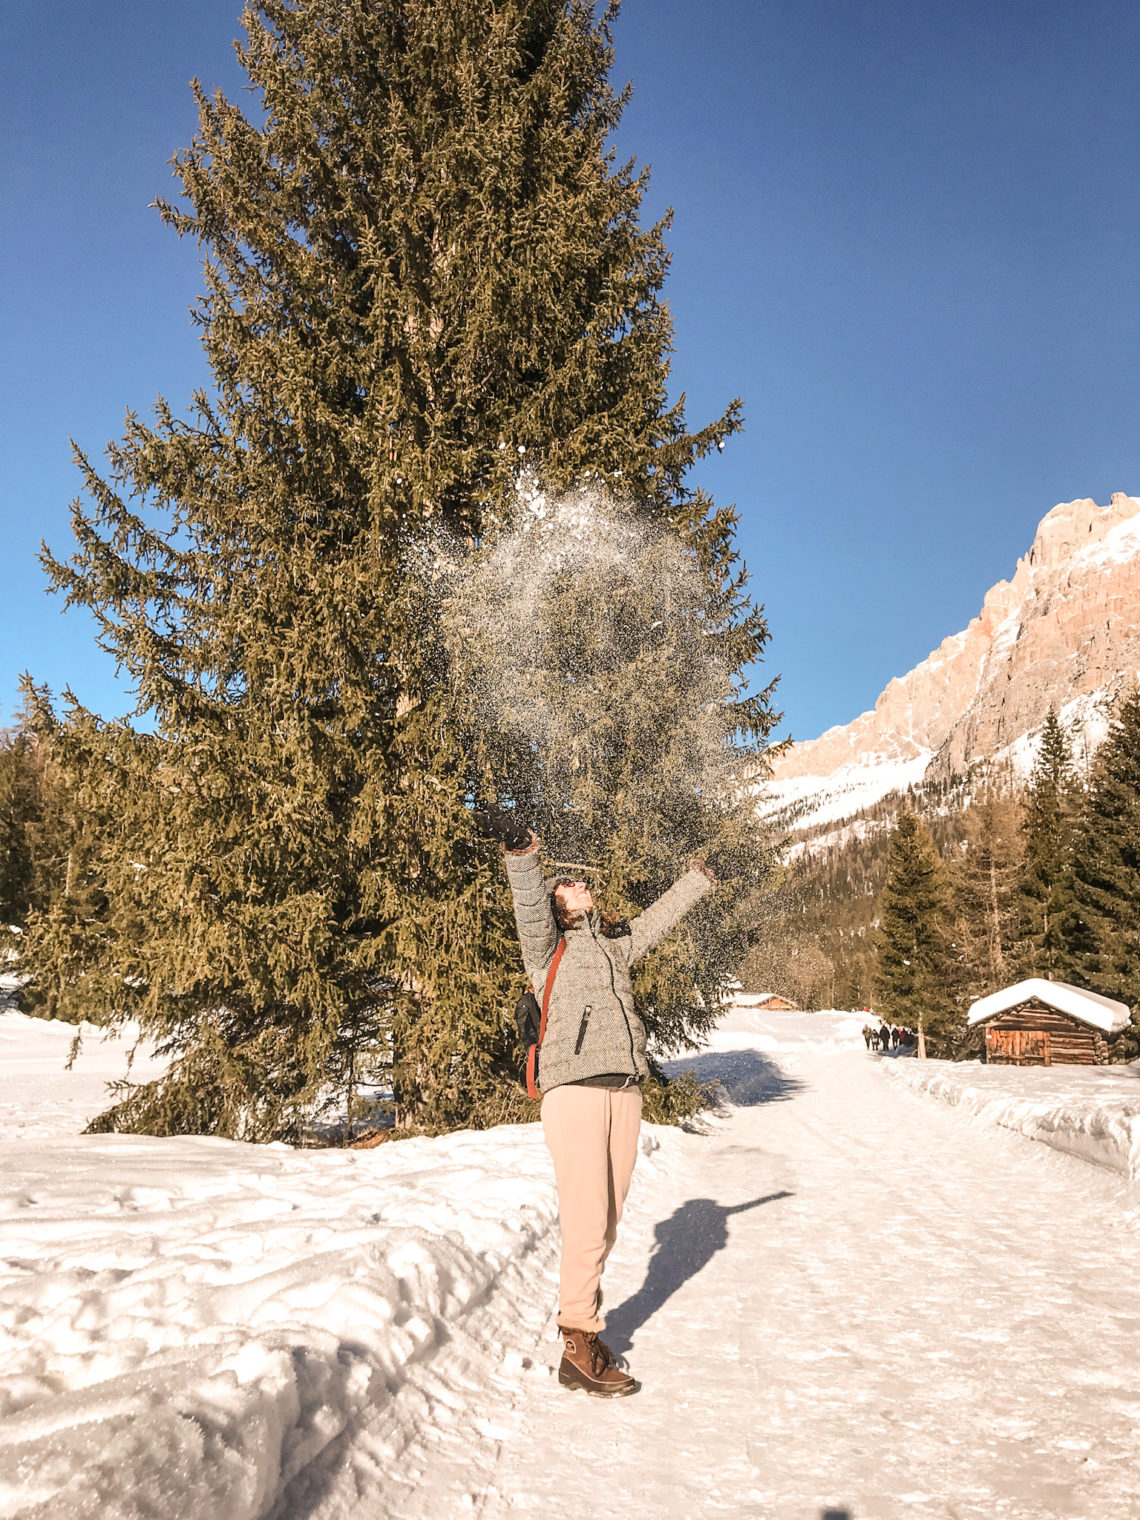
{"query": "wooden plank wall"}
(1070, 1043)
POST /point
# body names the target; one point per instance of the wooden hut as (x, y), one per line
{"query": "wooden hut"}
(770, 1002)
(1043, 1023)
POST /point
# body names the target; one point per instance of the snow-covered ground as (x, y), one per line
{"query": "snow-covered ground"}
(39, 1095)
(842, 1295)
(1089, 1111)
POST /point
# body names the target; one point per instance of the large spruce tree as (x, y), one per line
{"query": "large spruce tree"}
(38, 824)
(1102, 922)
(19, 806)
(1049, 828)
(420, 257)
(913, 978)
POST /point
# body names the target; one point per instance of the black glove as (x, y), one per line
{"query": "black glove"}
(494, 822)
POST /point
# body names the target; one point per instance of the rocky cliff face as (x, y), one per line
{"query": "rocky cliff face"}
(1065, 630)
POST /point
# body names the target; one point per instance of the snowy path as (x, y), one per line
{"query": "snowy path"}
(857, 1303)
(846, 1298)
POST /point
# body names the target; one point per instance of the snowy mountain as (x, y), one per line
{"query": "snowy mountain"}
(1064, 632)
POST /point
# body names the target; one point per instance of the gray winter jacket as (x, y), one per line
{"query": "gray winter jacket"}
(592, 1027)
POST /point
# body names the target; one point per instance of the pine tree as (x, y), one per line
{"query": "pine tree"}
(18, 808)
(420, 258)
(912, 980)
(986, 877)
(35, 830)
(1051, 817)
(1102, 924)
(71, 816)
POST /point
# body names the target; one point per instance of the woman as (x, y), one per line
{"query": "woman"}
(591, 1068)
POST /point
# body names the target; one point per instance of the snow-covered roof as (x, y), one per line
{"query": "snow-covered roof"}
(1089, 1007)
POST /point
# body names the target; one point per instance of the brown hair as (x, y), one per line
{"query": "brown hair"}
(610, 924)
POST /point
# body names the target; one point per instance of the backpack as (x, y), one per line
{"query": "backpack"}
(531, 1021)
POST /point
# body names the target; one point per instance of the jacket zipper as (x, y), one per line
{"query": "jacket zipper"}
(621, 1005)
(589, 1008)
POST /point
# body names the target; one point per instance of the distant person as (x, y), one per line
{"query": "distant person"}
(895, 1036)
(590, 1071)
(885, 1038)
(867, 1035)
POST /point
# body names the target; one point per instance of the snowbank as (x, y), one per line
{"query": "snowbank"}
(1091, 1112)
(186, 1324)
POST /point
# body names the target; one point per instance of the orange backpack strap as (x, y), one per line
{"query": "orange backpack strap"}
(532, 1053)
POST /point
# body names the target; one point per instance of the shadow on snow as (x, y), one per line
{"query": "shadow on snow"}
(748, 1077)
(686, 1243)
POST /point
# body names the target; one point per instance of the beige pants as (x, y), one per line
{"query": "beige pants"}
(591, 1133)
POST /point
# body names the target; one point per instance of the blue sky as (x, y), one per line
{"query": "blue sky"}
(905, 233)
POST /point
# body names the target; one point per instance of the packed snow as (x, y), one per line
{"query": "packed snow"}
(838, 1295)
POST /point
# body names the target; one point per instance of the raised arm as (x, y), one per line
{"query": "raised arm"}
(650, 928)
(538, 933)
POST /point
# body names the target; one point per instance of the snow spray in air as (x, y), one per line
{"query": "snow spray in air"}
(582, 634)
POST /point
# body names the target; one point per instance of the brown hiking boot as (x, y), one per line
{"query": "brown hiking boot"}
(588, 1363)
